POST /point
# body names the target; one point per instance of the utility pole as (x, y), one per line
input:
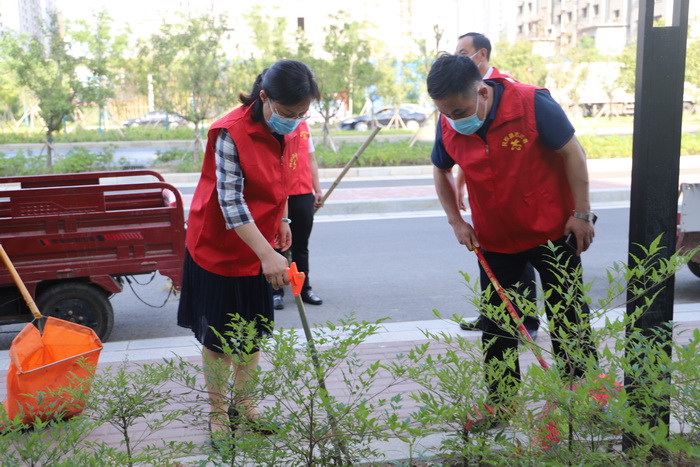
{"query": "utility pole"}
(658, 116)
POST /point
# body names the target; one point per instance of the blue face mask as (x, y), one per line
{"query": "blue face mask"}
(467, 125)
(282, 125)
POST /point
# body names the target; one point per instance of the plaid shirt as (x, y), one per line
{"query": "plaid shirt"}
(229, 182)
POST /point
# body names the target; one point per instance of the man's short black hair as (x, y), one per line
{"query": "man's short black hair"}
(479, 41)
(452, 75)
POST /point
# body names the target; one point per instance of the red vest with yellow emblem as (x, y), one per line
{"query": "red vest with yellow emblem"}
(265, 170)
(519, 192)
(300, 182)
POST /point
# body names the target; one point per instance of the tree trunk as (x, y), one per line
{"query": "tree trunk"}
(49, 147)
(197, 145)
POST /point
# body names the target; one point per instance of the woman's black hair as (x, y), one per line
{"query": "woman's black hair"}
(287, 81)
(452, 75)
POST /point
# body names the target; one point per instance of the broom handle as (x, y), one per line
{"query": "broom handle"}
(352, 160)
(20, 285)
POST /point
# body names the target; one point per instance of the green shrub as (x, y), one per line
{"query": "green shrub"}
(377, 154)
(84, 160)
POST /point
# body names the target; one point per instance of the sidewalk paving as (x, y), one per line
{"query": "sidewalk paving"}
(392, 339)
(610, 181)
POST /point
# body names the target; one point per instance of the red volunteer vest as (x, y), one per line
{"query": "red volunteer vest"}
(265, 169)
(300, 182)
(519, 193)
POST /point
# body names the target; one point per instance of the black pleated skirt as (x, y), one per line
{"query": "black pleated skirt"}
(209, 301)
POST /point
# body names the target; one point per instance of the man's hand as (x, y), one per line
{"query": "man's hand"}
(283, 240)
(465, 234)
(584, 232)
(318, 200)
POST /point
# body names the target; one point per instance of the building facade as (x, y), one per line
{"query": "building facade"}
(25, 16)
(611, 24)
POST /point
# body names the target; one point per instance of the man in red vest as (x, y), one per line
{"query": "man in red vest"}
(527, 180)
(477, 47)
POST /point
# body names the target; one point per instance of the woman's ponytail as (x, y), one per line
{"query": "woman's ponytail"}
(254, 97)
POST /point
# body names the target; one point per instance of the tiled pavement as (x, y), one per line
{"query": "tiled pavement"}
(392, 339)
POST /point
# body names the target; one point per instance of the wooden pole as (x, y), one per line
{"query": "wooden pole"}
(352, 160)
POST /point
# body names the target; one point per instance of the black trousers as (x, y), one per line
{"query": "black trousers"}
(565, 307)
(527, 288)
(301, 212)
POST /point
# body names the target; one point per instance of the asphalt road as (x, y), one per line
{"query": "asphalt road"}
(400, 269)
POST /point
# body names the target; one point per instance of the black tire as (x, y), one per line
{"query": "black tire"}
(80, 303)
(694, 268)
(361, 126)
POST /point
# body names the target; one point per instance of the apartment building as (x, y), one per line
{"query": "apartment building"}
(610, 23)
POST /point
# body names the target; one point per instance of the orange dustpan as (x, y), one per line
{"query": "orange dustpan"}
(51, 365)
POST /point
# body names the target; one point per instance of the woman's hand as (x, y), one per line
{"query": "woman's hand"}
(274, 266)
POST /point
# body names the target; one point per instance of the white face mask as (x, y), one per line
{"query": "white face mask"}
(472, 58)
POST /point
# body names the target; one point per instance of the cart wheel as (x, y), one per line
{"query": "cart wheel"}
(694, 268)
(79, 303)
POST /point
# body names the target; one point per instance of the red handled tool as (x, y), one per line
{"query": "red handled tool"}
(510, 308)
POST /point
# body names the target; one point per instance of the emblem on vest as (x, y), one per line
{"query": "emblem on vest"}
(515, 141)
(304, 134)
(293, 161)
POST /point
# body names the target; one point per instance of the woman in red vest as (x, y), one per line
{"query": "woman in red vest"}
(237, 218)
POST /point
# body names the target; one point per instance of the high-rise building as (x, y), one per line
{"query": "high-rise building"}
(611, 24)
(25, 16)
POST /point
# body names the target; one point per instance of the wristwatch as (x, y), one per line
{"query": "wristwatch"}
(287, 220)
(586, 216)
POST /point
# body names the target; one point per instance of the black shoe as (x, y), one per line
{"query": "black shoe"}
(311, 298)
(476, 325)
(277, 302)
(532, 332)
(258, 426)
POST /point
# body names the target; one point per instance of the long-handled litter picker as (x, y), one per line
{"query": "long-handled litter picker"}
(352, 160)
(521, 327)
(296, 281)
(511, 309)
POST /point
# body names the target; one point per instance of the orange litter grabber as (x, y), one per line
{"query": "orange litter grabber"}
(48, 363)
(296, 281)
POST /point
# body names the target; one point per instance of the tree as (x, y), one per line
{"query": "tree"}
(571, 74)
(346, 71)
(190, 70)
(101, 55)
(350, 50)
(393, 87)
(519, 61)
(10, 102)
(628, 69)
(49, 71)
(692, 71)
(269, 37)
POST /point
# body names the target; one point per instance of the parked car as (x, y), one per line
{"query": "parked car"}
(155, 118)
(414, 116)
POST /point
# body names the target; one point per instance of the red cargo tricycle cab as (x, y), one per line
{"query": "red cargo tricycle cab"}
(74, 237)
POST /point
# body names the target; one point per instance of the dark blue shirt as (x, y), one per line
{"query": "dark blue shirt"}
(553, 125)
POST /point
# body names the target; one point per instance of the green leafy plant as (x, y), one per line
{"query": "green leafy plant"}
(137, 403)
(312, 425)
(557, 420)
